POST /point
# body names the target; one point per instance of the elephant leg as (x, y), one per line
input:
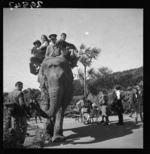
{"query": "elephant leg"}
(58, 126)
(48, 129)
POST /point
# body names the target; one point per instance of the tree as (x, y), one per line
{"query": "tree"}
(86, 56)
(103, 71)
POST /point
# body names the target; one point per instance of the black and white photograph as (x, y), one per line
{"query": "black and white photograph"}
(72, 77)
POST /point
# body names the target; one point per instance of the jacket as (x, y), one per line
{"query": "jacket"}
(65, 44)
(54, 51)
(16, 97)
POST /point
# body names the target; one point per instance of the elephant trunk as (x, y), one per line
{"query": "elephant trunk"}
(55, 98)
(40, 111)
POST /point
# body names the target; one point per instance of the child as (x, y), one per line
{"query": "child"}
(36, 60)
(105, 108)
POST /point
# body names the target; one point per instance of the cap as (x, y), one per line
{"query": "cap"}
(52, 36)
(37, 42)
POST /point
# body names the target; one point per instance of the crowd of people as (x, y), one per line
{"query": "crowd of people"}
(134, 99)
(17, 110)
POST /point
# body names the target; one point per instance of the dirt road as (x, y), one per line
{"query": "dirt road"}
(78, 135)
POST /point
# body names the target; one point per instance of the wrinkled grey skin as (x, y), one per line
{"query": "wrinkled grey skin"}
(59, 85)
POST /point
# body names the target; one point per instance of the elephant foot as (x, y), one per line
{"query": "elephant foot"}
(58, 138)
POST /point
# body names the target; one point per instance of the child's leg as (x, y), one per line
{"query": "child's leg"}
(102, 118)
(107, 121)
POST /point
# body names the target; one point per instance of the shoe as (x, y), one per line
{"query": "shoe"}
(101, 122)
(120, 123)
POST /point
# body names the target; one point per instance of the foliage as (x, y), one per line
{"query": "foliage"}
(87, 54)
(78, 88)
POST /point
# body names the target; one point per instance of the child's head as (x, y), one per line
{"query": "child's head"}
(37, 43)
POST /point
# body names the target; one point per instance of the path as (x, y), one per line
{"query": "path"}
(79, 135)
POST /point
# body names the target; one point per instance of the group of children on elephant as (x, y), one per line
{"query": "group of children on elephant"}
(52, 48)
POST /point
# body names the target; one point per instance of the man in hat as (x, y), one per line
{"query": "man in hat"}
(54, 49)
(73, 52)
(17, 110)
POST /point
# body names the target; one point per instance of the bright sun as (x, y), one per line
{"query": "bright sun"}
(86, 33)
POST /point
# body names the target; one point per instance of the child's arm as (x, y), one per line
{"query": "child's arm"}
(45, 44)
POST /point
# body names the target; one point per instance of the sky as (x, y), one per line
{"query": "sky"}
(117, 32)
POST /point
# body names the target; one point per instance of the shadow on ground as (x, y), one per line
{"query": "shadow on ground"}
(98, 133)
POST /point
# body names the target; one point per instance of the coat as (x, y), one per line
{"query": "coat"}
(54, 50)
(65, 44)
(136, 102)
(16, 97)
(117, 104)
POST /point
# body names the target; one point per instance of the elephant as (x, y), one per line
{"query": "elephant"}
(57, 75)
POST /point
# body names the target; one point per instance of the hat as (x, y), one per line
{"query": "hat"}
(52, 36)
(37, 42)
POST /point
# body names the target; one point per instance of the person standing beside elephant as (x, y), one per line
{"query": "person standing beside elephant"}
(18, 112)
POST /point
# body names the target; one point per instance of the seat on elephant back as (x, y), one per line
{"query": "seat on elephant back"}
(33, 69)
